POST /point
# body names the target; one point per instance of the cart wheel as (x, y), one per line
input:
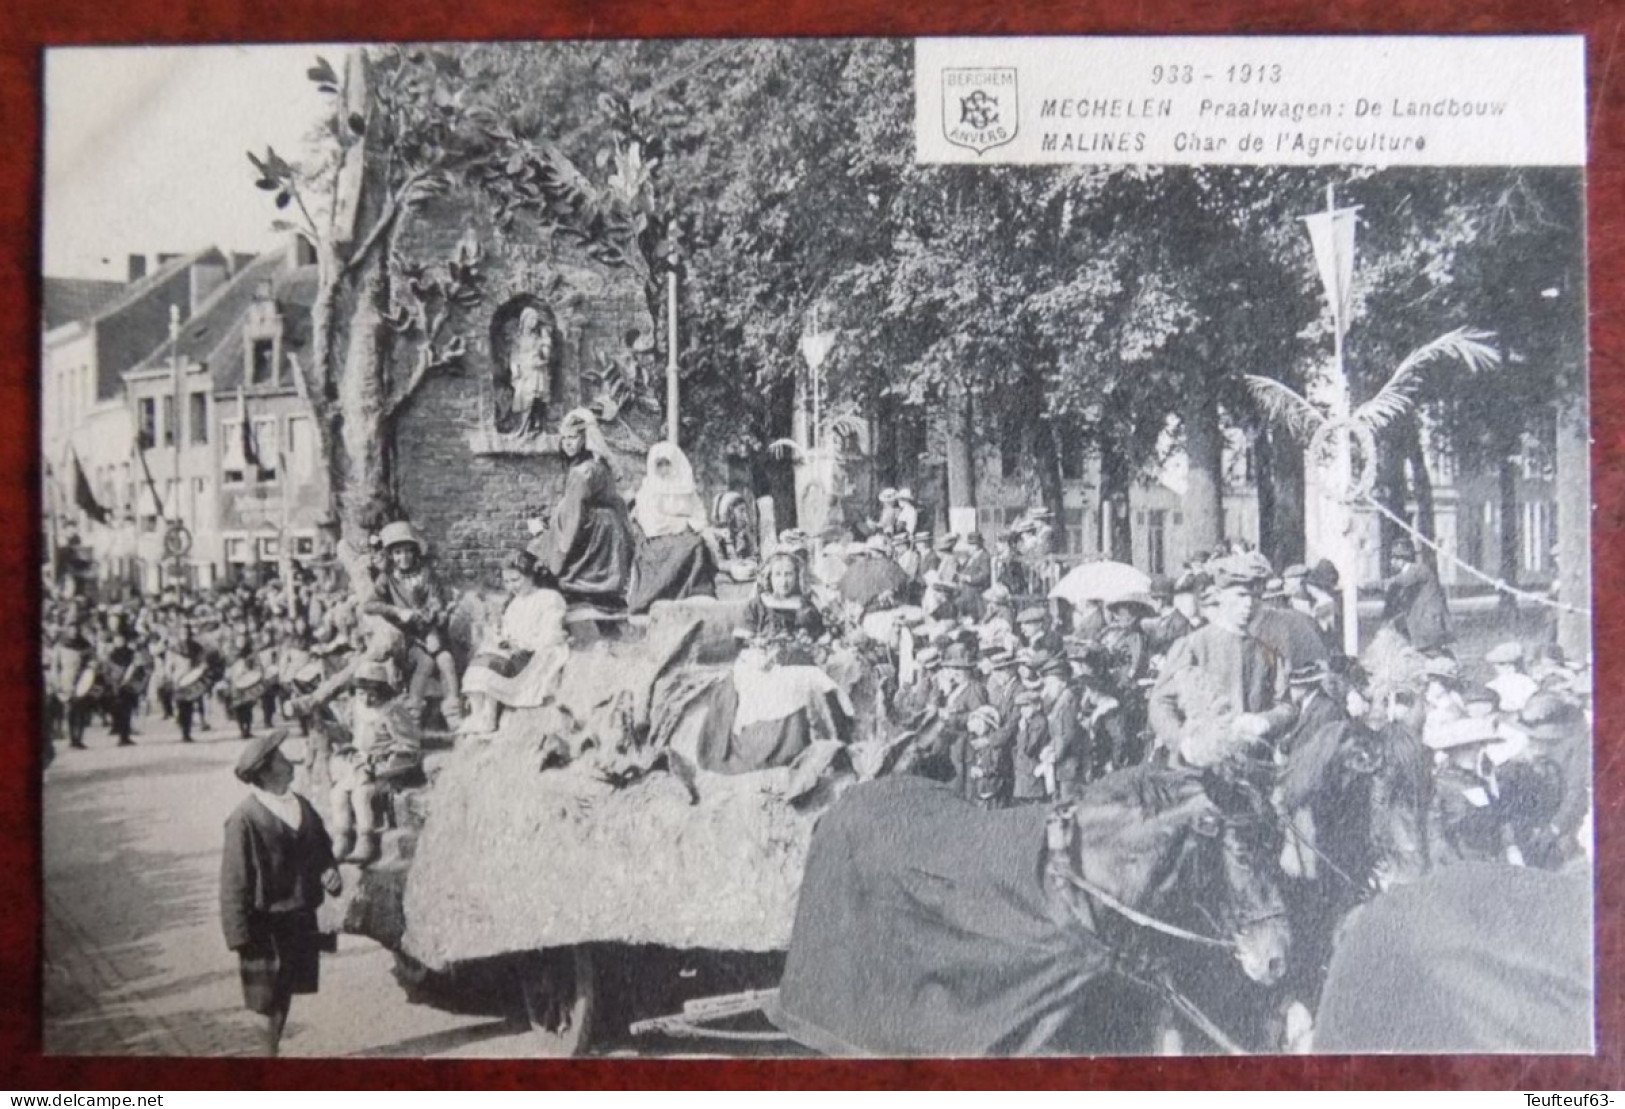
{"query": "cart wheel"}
(560, 993)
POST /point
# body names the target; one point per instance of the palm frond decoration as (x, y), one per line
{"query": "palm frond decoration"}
(1286, 406)
(785, 448)
(1398, 393)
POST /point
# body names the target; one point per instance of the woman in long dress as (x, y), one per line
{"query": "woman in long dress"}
(674, 558)
(518, 667)
(590, 554)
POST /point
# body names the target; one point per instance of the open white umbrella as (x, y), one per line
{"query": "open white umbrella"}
(1100, 581)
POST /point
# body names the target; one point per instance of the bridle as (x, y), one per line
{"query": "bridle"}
(1064, 878)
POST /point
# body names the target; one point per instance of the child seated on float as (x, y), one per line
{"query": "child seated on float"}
(518, 666)
(385, 752)
(409, 596)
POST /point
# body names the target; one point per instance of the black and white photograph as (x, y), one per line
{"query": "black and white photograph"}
(783, 548)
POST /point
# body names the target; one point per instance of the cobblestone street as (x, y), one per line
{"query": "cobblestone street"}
(135, 962)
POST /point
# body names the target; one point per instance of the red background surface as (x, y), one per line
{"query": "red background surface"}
(27, 26)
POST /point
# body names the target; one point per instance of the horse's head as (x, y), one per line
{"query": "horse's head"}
(1198, 852)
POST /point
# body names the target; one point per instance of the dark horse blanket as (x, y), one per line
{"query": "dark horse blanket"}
(923, 928)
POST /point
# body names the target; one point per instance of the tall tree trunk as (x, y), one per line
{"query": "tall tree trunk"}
(1047, 466)
(1287, 480)
(960, 449)
(1421, 486)
(1264, 483)
(364, 393)
(1204, 453)
(1573, 527)
(1507, 472)
(1114, 506)
(1390, 491)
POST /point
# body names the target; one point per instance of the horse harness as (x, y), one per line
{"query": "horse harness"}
(1068, 882)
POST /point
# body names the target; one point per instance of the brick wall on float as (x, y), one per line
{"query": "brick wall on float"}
(465, 487)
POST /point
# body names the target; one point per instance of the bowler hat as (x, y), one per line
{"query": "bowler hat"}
(257, 753)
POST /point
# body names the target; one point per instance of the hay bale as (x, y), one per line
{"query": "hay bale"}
(515, 859)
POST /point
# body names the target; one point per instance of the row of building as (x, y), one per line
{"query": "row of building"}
(148, 383)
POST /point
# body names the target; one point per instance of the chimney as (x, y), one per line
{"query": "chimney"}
(138, 267)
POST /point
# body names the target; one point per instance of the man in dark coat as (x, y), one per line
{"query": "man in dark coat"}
(276, 866)
(1414, 601)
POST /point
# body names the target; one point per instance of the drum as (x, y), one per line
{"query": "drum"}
(90, 680)
(309, 676)
(246, 688)
(193, 685)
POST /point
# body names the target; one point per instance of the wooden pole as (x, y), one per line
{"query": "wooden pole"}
(671, 356)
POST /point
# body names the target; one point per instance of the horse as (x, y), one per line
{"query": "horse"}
(1354, 801)
(928, 926)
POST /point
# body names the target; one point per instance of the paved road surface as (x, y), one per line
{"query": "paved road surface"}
(135, 962)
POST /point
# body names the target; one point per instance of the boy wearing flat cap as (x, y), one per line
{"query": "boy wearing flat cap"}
(276, 867)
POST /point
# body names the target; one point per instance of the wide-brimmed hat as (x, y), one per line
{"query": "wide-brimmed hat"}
(928, 657)
(1442, 668)
(1310, 673)
(393, 535)
(946, 541)
(985, 714)
(905, 495)
(1460, 733)
(1480, 694)
(1033, 614)
(1248, 569)
(257, 753)
(1548, 715)
(1137, 601)
(888, 496)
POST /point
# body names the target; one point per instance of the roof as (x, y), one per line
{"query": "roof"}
(158, 278)
(217, 317)
(69, 299)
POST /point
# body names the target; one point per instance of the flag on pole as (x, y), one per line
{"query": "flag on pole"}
(251, 452)
(152, 486)
(1331, 234)
(84, 497)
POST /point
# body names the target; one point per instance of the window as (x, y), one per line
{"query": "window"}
(198, 417)
(304, 546)
(149, 524)
(265, 445)
(262, 362)
(232, 464)
(1072, 457)
(1010, 449)
(169, 421)
(300, 452)
(1073, 518)
(1156, 540)
(270, 548)
(147, 422)
(236, 549)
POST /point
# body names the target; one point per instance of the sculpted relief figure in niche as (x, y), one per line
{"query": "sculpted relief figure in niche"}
(524, 365)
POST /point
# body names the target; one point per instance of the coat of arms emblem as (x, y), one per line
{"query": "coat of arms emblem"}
(979, 107)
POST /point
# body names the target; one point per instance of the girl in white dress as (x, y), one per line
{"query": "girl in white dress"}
(518, 666)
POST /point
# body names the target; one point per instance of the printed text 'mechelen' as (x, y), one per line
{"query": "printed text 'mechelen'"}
(1105, 108)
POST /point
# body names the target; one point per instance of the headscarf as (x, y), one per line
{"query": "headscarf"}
(585, 421)
(667, 504)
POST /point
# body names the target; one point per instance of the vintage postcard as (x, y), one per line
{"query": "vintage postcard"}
(881, 547)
